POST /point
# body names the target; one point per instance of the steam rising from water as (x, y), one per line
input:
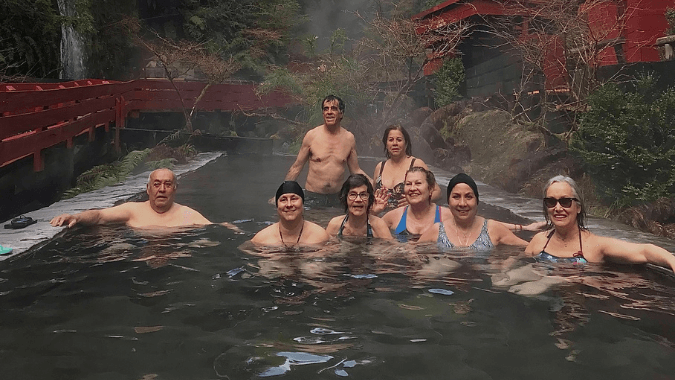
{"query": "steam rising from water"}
(325, 16)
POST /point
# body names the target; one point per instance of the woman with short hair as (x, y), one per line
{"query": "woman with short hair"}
(357, 197)
(420, 213)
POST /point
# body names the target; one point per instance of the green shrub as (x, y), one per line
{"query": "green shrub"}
(626, 142)
(447, 82)
(670, 18)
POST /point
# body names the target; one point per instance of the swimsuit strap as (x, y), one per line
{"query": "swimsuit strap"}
(442, 239)
(378, 180)
(369, 229)
(550, 235)
(437, 219)
(581, 248)
(342, 226)
(412, 163)
(579, 253)
(402, 225)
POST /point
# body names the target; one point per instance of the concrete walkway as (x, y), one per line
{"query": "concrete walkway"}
(22, 239)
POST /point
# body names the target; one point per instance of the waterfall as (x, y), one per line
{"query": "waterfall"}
(72, 45)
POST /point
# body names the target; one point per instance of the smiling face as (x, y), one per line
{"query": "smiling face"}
(463, 202)
(289, 207)
(331, 113)
(396, 143)
(558, 215)
(358, 200)
(417, 188)
(161, 189)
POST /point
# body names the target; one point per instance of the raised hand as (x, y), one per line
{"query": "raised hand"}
(381, 201)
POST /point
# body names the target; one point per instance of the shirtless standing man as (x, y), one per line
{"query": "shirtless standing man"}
(328, 148)
(159, 211)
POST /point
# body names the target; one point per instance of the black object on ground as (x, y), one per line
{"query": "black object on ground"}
(20, 222)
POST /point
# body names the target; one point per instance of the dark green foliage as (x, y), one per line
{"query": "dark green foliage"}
(30, 35)
(111, 52)
(101, 176)
(626, 142)
(670, 17)
(447, 82)
(253, 31)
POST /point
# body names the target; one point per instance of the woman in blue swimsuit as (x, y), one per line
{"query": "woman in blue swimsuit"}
(569, 241)
(411, 221)
(357, 197)
(464, 229)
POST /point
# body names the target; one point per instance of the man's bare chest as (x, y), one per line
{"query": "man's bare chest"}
(323, 151)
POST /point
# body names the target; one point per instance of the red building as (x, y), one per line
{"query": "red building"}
(607, 32)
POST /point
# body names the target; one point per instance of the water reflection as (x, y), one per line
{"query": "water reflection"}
(108, 302)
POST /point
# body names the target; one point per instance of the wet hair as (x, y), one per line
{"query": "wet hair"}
(431, 179)
(406, 137)
(341, 104)
(576, 193)
(175, 179)
(289, 187)
(462, 178)
(356, 180)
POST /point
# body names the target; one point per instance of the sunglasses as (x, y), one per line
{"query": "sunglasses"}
(564, 202)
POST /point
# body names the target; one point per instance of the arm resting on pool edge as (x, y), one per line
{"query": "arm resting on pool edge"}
(634, 253)
(502, 235)
(533, 227)
(117, 214)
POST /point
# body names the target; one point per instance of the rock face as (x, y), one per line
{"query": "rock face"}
(657, 217)
(489, 146)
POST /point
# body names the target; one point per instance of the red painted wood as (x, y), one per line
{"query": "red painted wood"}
(20, 146)
(18, 101)
(37, 116)
(15, 124)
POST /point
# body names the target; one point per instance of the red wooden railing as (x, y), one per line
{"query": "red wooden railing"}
(36, 116)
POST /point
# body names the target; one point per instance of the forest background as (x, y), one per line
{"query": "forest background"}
(620, 144)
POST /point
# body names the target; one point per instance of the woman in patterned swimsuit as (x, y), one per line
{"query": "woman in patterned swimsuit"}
(464, 229)
(390, 174)
(565, 213)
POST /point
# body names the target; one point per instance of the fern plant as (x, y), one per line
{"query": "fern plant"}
(101, 176)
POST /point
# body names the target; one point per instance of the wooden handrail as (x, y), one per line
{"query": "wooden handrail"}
(36, 116)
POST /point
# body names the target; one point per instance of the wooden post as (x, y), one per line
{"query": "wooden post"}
(119, 122)
(38, 164)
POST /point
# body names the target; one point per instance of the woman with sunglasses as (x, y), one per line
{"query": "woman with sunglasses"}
(357, 197)
(568, 240)
(390, 174)
(464, 229)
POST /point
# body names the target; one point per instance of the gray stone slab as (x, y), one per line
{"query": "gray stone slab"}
(22, 239)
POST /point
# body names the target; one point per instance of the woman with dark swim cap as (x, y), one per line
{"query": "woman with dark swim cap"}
(357, 197)
(292, 229)
(464, 229)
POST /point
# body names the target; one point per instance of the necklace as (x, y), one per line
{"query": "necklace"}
(466, 235)
(296, 242)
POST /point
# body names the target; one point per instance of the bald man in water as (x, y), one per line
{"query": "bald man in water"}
(159, 210)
